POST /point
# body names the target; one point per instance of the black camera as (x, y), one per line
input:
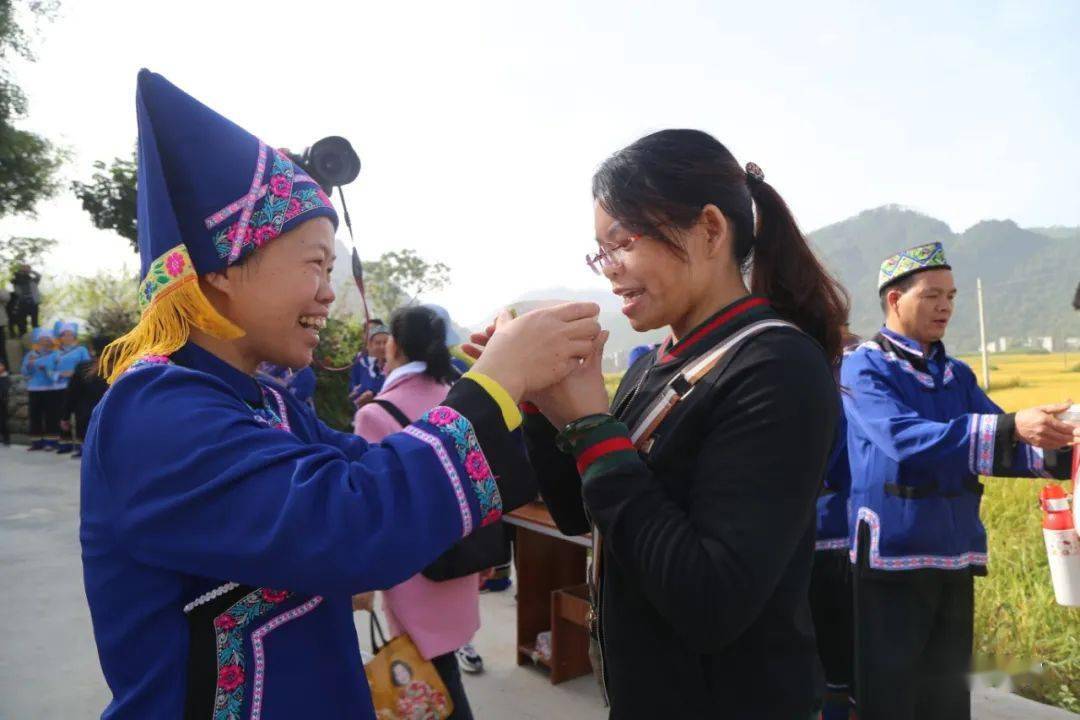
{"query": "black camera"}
(331, 162)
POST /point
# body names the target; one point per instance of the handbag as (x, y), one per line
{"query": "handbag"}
(487, 547)
(404, 686)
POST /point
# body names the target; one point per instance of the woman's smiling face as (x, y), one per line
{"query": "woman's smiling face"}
(280, 297)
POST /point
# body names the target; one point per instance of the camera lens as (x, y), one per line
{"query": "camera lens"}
(332, 161)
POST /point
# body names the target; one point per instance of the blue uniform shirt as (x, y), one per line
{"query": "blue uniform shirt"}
(42, 371)
(69, 359)
(832, 502)
(365, 375)
(224, 530)
(920, 433)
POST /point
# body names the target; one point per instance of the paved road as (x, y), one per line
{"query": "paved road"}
(48, 665)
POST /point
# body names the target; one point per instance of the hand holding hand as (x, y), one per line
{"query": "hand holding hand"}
(540, 348)
(580, 394)
(1037, 426)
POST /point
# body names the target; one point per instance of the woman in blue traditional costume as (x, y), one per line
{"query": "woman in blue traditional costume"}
(224, 528)
(40, 366)
(920, 433)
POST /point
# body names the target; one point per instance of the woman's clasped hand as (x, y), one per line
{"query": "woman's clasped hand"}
(531, 353)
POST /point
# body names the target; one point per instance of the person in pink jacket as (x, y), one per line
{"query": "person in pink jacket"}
(439, 616)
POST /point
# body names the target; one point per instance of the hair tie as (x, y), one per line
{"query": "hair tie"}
(754, 172)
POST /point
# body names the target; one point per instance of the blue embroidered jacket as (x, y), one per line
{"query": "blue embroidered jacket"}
(224, 530)
(920, 432)
(41, 369)
(68, 360)
(365, 375)
(832, 502)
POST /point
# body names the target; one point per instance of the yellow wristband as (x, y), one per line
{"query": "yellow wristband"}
(511, 414)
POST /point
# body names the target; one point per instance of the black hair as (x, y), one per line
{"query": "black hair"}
(903, 285)
(662, 182)
(421, 336)
(97, 344)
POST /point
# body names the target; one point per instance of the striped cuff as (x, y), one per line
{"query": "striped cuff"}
(602, 448)
(983, 433)
(498, 393)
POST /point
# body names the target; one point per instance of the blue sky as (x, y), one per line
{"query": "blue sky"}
(479, 124)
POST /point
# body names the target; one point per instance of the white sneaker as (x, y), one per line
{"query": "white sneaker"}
(469, 660)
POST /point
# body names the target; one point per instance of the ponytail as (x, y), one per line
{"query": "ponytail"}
(421, 336)
(785, 270)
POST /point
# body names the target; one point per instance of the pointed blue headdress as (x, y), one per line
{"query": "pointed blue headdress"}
(209, 192)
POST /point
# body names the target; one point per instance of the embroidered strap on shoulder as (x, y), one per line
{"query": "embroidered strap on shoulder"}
(680, 386)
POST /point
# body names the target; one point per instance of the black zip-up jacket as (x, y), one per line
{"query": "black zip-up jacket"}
(709, 539)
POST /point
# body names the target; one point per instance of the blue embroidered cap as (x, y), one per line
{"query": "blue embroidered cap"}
(917, 259)
(209, 192)
(39, 333)
(61, 327)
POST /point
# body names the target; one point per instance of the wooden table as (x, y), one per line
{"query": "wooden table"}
(551, 593)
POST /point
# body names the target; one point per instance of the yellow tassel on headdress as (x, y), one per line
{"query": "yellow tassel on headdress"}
(176, 304)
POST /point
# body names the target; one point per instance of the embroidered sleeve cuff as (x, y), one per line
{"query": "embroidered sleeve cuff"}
(505, 450)
(510, 412)
(983, 437)
(602, 448)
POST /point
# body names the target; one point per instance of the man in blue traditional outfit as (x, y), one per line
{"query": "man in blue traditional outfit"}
(224, 529)
(366, 377)
(920, 433)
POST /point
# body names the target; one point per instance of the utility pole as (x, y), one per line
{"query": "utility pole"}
(982, 336)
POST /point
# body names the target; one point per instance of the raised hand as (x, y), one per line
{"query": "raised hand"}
(580, 394)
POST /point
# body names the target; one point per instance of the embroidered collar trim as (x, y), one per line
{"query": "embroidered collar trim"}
(669, 351)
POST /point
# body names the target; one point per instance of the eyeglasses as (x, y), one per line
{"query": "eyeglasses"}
(609, 257)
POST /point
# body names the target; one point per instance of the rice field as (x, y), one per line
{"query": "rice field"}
(1016, 618)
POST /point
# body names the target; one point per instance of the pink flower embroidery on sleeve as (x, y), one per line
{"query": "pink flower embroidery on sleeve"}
(442, 416)
(476, 465)
(280, 185)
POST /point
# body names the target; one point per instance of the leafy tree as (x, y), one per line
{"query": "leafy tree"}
(18, 250)
(398, 278)
(109, 197)
(107, 301)
(28, 161)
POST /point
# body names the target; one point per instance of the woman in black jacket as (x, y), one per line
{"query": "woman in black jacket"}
(84, 392)
(706, 521)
